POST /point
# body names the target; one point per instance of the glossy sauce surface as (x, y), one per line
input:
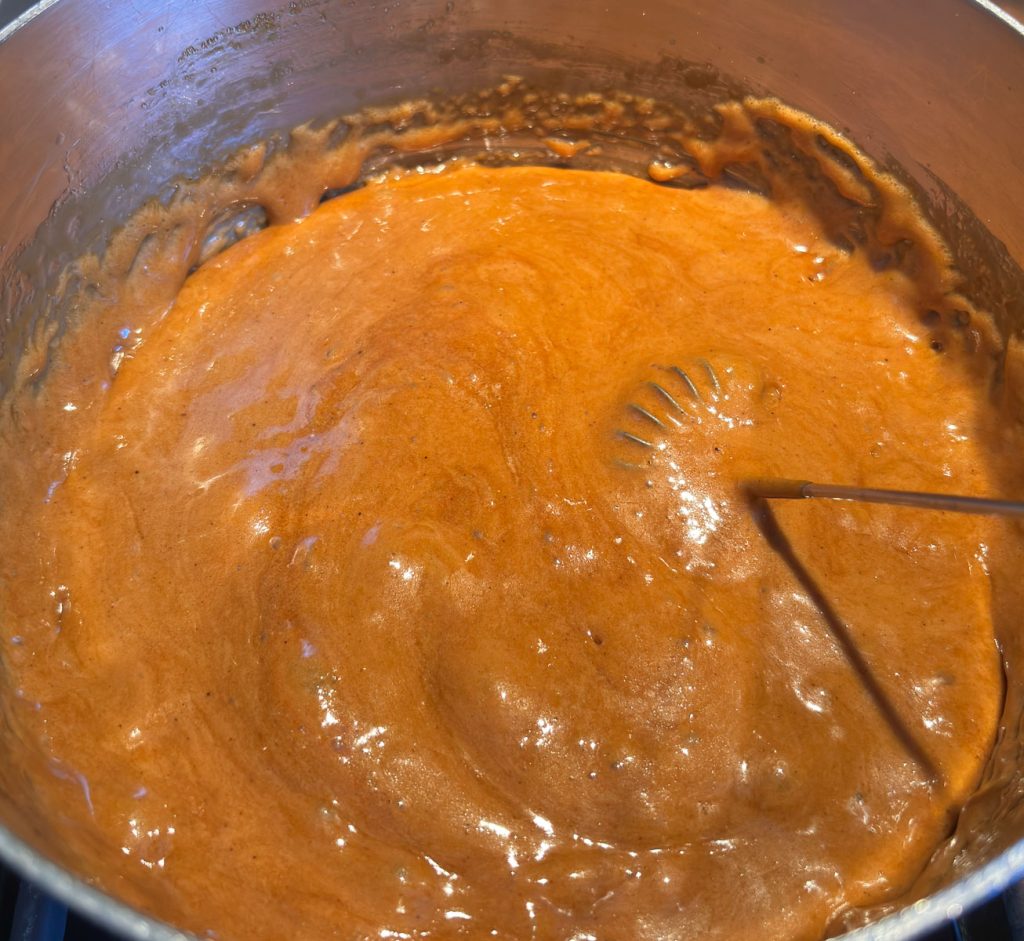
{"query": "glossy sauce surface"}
(398, 583)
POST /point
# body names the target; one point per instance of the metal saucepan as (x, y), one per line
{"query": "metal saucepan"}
(102, 103)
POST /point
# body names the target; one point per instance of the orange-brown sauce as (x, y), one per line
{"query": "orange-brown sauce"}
(398, 583)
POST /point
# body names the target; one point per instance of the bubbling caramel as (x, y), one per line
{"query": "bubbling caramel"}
(396, 582)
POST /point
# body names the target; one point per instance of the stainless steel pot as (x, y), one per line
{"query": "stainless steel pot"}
(103, 102)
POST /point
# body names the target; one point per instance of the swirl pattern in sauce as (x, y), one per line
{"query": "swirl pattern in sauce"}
(403, 587)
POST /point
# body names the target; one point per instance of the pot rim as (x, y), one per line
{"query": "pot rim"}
(30, 14)
(109, 913)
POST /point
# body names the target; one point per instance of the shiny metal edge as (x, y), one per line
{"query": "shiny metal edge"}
(97, 906)
(1005, 15)
(947, 904)
(107, 912)
(30, 14)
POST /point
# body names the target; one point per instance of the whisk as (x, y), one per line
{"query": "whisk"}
(782, 489)
(679, 394)
(674, 398)
(678, 397)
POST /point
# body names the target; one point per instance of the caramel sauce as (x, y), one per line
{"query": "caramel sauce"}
(396, 581)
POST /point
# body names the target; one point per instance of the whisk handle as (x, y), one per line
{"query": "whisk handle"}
(782, 489)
